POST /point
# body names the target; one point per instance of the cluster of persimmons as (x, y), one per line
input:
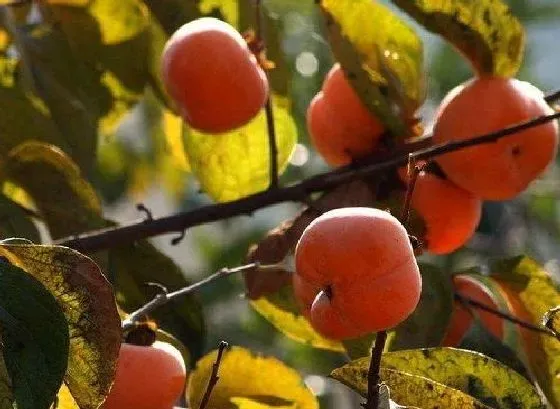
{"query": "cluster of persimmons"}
(356, 270)
(347, 256)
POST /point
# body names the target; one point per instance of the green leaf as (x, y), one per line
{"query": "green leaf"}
(66, 201)
(274, 383)
(16, 221)
(436, 300)
(25, 116)
(487, 34)
(531, 293)
(381, 56)
(132, 266)
(406, 389)
(35, 339)
(479, 339)
(488, 380)
(118, 70)
(235, 164)
(88, 303)
(360, 347)
(280, 309)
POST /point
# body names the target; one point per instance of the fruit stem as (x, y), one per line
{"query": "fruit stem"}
(373, 373)
(504, 315)
(165, 297)
(269, 112)
(214, 376)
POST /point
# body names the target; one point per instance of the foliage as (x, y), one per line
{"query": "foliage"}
(85, 122)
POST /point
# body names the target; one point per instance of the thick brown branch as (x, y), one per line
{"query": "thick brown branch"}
(106, 238)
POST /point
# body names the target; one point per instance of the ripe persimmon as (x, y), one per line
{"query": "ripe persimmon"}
(212, 75)
(355, 272)
(499, 170)
(450, 213)
(340, 126)
(462, 316)
(148, 377)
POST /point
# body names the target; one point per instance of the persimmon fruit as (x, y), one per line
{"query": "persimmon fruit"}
(355, 272)
(462, 317)
(147, 377)
(212, 75)
(340, 126)
(450, 214)
(502, 169)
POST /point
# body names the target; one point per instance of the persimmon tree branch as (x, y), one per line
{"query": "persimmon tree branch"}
(214, 378)
(373, 371)
(374, 385)
(471, 302)
(165, 297)
(298, 192)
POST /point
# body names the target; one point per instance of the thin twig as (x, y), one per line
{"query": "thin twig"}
(106, 238)
(525, 324)
(373, 372)
(214, 376)
(269, 112)
(163, 298)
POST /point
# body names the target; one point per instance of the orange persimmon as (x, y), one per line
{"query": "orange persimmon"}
(355, 272)
(502, 169)
(212, 75)
(462, 317)
(450, 213)
(340, 126)
(148, 377)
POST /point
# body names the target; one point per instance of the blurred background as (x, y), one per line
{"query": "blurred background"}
(138, 166)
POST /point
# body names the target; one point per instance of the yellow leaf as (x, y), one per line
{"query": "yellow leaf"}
(88, 303)
(406, 389)
(236, 164)
(381, 56)
(173, 127)
(120, 20)
(4, 39)
(490, 37)
(531, 293)
(73, 3)
(228, 9)
(65, 399)
(244, 375)
(247, 403)
(280, 310)
(470, 372)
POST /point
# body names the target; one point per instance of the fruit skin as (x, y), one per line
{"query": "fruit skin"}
(503, 169)
(148, 377)
(340, 126)
(462, 318)
(209, 71)
(450, 213)
(355, 272)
